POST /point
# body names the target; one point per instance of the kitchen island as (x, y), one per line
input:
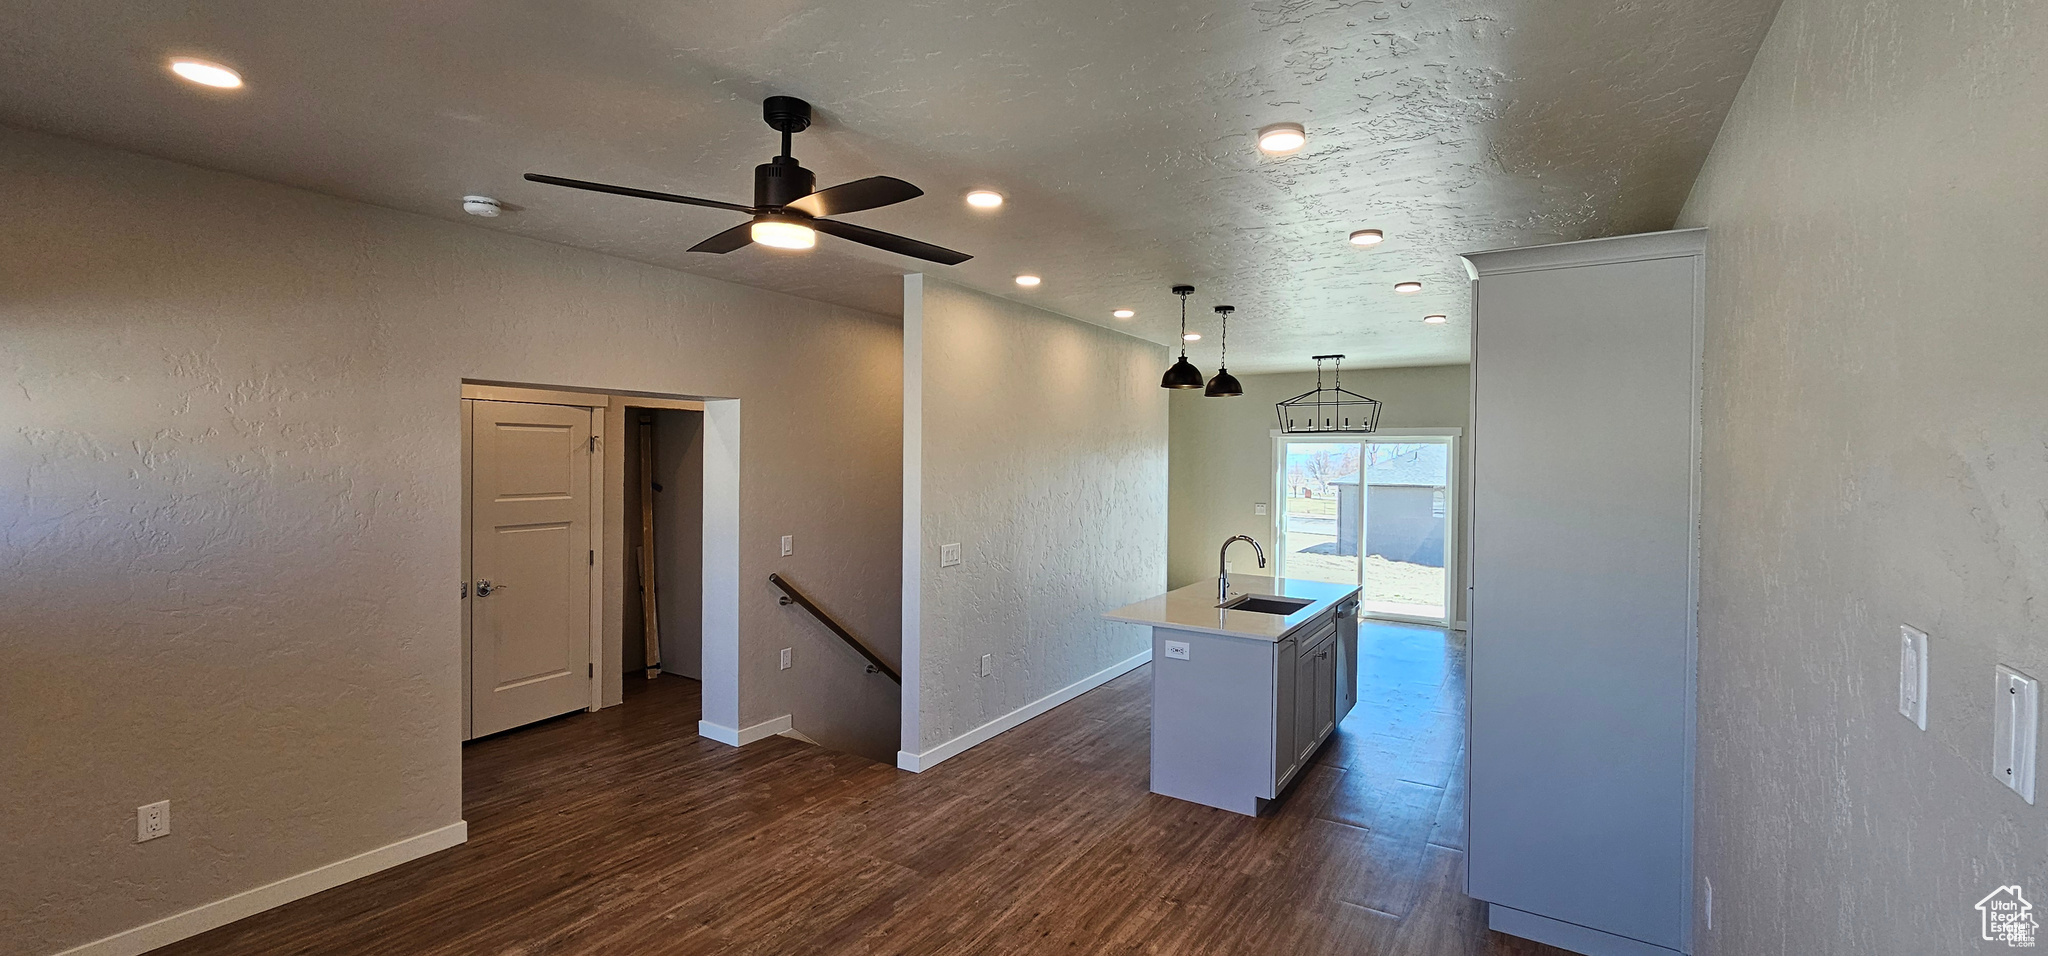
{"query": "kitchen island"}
(1242, 698)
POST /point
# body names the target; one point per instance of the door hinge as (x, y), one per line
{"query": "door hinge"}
(593, 559)
(465, 590)
(593, 670)
(593, 443)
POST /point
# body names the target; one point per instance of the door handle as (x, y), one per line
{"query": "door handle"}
(484, 588)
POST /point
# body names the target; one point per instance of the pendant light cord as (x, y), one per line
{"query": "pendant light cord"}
(1184, 323)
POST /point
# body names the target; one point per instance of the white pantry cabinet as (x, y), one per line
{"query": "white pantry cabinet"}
(1584, 463)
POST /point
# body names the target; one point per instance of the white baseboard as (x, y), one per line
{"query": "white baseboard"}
(221, 912)
(920, 762)
(744, 735)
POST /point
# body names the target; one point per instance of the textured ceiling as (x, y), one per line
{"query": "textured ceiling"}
(1121, 132)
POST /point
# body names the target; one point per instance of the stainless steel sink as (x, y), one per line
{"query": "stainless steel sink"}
(1265, 604)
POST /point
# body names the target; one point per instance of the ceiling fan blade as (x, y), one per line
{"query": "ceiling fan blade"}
(637, 193)
(855, 196)
(890, 242)
(734, 238)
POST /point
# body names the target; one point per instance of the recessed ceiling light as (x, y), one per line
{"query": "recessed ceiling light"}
(1407, 288)
(207, 74)
(984, 199)
(1367, 237)
(1282, 138)
(1028, 281)
(483, 206)
(1191, 337)
(778, 234)
(1123, 313)
(1436, 319)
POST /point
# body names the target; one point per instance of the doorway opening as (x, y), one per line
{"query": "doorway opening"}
(661, 528)
(599, 552)
(1377, 510)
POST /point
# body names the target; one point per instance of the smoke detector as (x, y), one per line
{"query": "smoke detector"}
(483, 206)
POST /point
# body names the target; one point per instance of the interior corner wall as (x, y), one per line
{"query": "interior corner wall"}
(1041, 449)
(1223, 454)
(230, 490)
(1876, 454)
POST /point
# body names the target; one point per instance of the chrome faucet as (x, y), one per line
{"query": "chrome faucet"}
(1223, 563)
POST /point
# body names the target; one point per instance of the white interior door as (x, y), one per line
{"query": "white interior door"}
(530, 563)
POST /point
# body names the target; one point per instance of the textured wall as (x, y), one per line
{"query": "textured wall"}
(1876, 453)
(229, 499)
(1044, 456)
(1223, 452)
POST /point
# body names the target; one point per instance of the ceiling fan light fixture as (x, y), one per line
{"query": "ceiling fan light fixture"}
(783, 234)
(206, 74)
(1408, 288)
(1368, 237)
(985, 199)
(1282, 138)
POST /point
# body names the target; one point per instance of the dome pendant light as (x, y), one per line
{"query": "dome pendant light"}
(1183, 374)
(1224, 385)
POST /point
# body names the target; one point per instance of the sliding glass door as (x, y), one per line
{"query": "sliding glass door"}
(1318, 515)
(1376, 511)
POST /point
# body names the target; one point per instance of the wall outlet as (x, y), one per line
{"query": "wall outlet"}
(788, 545)
(949, 555)
(1259, 509)
(153, 821)
(988, 665)
(784, 660)
(1177, 650)
(1913, 675)
(2015, 712)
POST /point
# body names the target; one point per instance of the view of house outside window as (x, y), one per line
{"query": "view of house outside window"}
(1370, 513)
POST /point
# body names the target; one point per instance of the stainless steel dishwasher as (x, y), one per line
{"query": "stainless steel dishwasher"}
(1347, 657)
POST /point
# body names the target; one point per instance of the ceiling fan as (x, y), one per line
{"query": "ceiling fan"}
(788, 210)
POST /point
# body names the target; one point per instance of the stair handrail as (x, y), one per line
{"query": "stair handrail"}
(790, 595)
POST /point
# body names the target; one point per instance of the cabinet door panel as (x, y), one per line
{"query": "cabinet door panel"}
(1285, 754)
(1305, 705)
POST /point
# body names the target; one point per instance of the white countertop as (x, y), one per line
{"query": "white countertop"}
(1193, 608)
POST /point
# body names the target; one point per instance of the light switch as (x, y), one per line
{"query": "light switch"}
(788, 545)
(1177, 650)
(1913, 675)
(2016, 710)
(1259, 509)
(949, 555)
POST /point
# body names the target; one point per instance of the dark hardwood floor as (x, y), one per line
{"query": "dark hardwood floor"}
(622, 832)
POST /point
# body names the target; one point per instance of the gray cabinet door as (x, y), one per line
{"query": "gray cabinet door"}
(1583, 518)
(1325, 707)
(1286, 756)
(1305, 737)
